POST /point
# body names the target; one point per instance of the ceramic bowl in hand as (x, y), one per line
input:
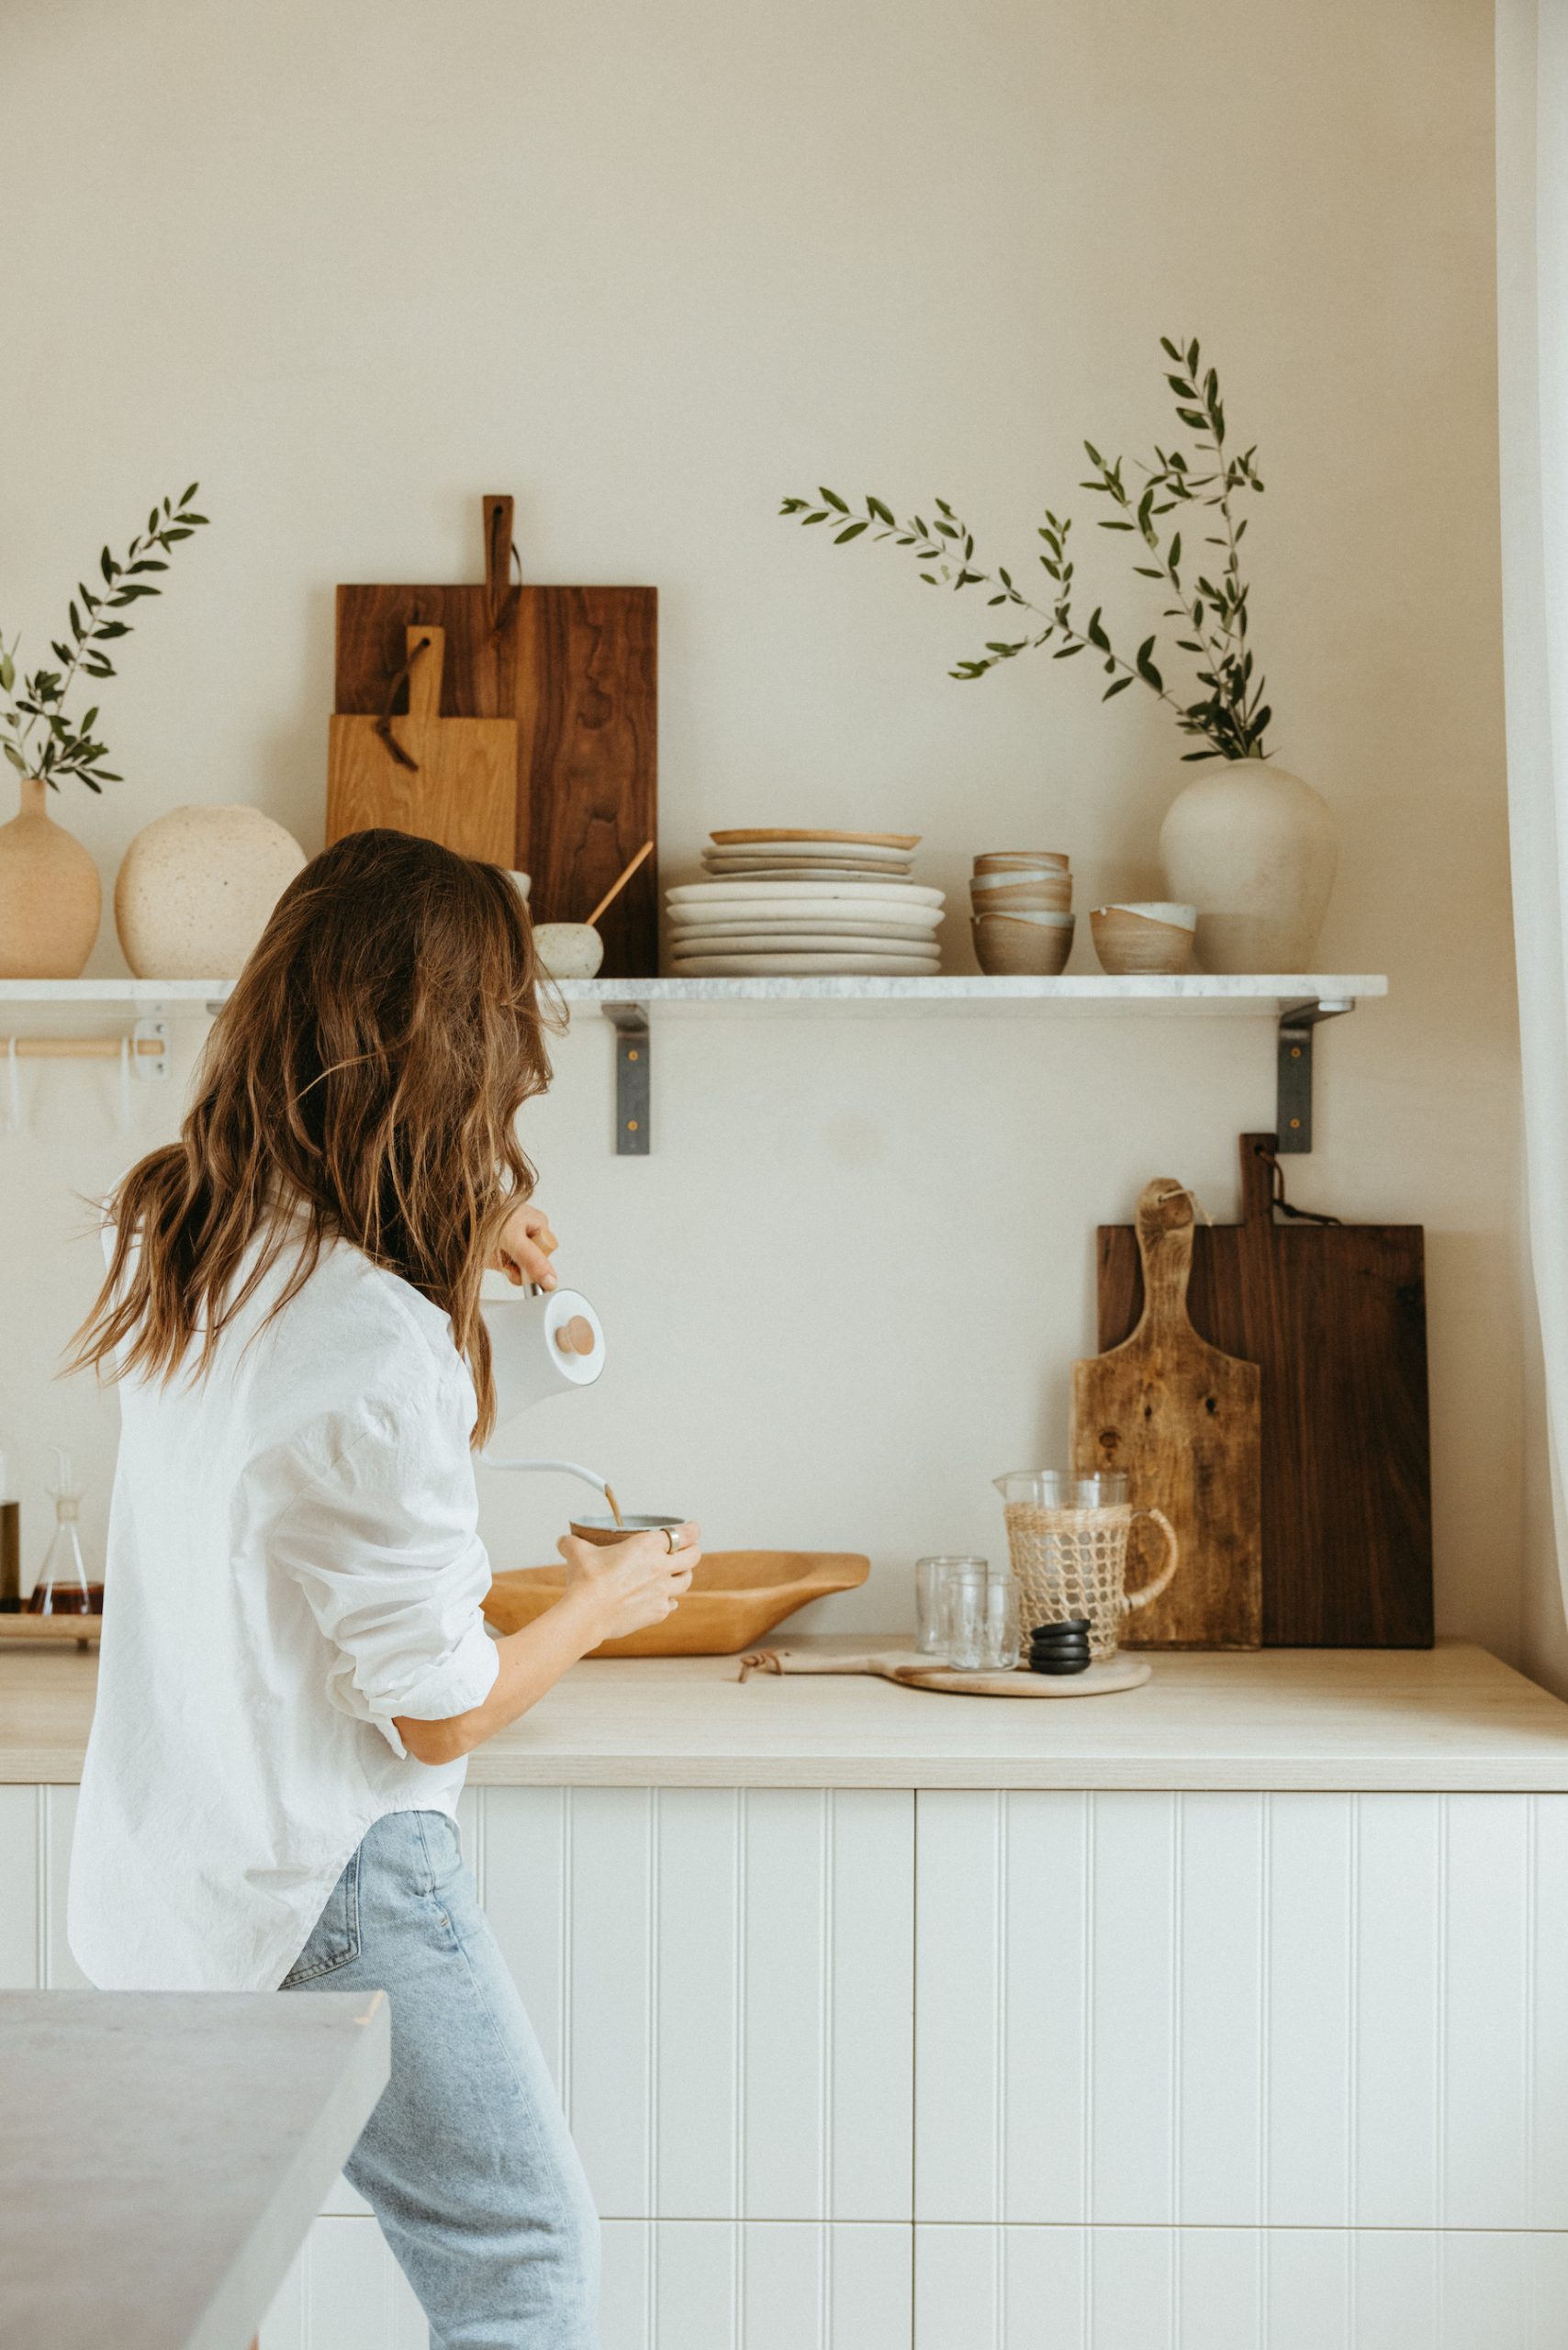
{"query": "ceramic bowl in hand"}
(1022, 945)
(604, 1530)
(1150, 935)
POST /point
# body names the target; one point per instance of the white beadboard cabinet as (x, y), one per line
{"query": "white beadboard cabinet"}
(1235, 2021)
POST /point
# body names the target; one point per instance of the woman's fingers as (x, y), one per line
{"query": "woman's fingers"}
(525, 1247)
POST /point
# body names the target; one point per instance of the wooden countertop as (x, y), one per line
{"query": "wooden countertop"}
(1447, 1718)
(163, 2155)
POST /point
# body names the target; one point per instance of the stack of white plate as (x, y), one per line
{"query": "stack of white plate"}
(796, 905)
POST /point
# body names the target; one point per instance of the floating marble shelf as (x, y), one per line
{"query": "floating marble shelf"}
(1296, 1001)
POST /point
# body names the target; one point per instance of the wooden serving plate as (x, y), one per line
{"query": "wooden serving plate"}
(737, 1596)
(911, 1671)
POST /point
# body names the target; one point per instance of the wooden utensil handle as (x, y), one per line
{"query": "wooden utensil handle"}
(1131, 1599)
(1165, 1245)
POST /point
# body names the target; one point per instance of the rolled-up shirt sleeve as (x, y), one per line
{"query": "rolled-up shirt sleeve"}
(384, 1544)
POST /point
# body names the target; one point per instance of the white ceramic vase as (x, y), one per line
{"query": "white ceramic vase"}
(49, 893)
(196, 888)
(1254, 848)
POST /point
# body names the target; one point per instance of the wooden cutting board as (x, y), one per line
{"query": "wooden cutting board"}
(576, 668)
(449, 780)
(911, 1671)
(1181, 1419)
(1336, 1317)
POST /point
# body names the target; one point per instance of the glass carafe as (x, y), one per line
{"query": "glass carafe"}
(62, 1588)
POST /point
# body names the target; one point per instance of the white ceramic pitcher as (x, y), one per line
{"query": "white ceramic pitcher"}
(541, 1341)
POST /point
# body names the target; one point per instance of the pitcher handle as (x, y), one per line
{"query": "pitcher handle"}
(1172, 1560)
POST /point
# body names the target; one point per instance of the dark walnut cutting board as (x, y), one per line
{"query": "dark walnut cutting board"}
(1181, 1417)
(575, 668)
(1335, 1315)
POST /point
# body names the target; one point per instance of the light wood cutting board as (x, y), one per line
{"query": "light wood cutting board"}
(1185, 1422)
(448, 779)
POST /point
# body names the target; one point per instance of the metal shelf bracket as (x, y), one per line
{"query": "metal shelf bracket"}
(1293, 1110)
(633, 1085)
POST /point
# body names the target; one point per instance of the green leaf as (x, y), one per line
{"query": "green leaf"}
(821, 515)
(1119, 687)
(1095, 633)
(7, 673)
(883, 513)
(186, 495)
(1146, 667)
(840, 538)
(1067, 651)
(197, 521)
(16, 758)
(830, 498)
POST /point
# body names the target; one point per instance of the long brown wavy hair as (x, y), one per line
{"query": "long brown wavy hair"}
(362, 1084)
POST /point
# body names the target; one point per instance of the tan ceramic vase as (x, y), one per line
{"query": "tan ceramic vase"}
(50, 894)
(1254, 848)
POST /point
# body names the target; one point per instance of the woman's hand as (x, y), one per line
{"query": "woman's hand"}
(525, 1247)
(630, 1585)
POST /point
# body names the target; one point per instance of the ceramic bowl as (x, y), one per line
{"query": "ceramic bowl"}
(1044, 892)
(736, 1597)
(568, 950)
(1023, 861)
(1029, 946)
(1149, 937)
(604, 1530)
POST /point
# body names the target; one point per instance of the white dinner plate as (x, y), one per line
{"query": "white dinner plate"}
(756, 894)
(803, 966)
(807, 852)
(821, 872)
(802, 942)
(918, 932)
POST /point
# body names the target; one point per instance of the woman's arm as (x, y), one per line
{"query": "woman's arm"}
(613, 1590)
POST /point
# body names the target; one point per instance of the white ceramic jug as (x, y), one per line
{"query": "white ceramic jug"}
(541, 1341)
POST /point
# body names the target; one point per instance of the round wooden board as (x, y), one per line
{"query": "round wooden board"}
(915, 1672)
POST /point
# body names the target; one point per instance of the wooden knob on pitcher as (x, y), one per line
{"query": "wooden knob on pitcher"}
(575, 1336)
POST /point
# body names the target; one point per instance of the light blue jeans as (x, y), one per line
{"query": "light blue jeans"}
(466, 2161)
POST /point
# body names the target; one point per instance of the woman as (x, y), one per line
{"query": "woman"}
(293, 1662)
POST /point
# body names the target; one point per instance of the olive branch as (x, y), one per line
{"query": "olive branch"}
(1230, 715)
(68, 746)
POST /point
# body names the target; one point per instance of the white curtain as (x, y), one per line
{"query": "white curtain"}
(1532, 321)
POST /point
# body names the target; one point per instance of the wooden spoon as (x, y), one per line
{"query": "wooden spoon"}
(616, 887)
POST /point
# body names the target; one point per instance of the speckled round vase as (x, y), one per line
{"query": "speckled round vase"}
(196, 888)
(1254, 848)
(50, 894)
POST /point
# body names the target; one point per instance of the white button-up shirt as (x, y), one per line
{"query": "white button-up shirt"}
(293, 1559)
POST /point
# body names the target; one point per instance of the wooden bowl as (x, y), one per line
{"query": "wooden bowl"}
(1011, 947)
(735, 1597)
(1155, 938)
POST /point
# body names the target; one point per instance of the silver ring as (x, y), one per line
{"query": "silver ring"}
(670, 1542)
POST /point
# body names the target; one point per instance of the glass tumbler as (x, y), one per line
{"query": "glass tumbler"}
(966, 1602)
(1004, 1621)
(930, 1577)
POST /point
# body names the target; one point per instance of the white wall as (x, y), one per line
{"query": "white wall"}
(651, 268)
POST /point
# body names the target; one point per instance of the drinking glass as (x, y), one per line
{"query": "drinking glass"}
(965, 1586)
(1004, 1621)
(930, 1576)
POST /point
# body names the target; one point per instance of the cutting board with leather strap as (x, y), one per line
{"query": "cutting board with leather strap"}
(1335, 1315)
(449, 780)
(1181, 1419)
(575, 669)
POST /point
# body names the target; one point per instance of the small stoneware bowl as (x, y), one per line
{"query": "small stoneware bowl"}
(1044, 892)
(568, 950)
(1151, 936)
(604, 1530)
(1022, 945)
(1023, 861)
